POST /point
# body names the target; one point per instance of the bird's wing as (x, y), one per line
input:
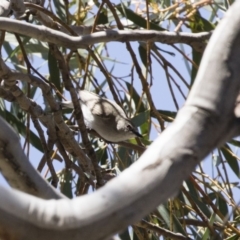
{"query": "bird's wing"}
(100, 106)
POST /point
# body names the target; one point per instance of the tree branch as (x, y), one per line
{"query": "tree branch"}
(42, 33)
(26, 104)
(16, 168)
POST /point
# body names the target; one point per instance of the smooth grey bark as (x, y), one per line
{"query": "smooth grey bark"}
(196, 40)
(206, 121)
(17, 169)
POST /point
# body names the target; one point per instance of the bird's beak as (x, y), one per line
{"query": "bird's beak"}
(137, 134)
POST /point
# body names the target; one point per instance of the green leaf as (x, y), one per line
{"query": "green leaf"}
(168, 116)
(135, 18)
(101, 153)
(38, 49)
(197, 58)
(125, 158)
(191, 189)
(136, 98)
(103, 18)
(143, 54)
(222, 205)
(231, 159)
(141, 118)
(13, 58)
(177, 226)
(125, 235)
(60, 9)
(195, 234)
(33, 91)
(235, 143)
(21, 129)
(54, 71)
(206, 234)
(198, 24)
(233, 237)
(66, 183)
(203, 207)
(17, 49)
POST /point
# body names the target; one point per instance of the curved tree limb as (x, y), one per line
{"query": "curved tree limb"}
(47, 34)
(19, 172)
(205, 122)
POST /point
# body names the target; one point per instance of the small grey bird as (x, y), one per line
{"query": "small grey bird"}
(105, 116)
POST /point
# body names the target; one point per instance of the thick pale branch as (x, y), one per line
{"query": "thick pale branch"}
(49, 35)
(138, 185)
(15, 166)
(217, 83)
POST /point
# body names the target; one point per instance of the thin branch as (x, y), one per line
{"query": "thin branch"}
(78, 112)
(214, 234)
(46, 151)
(144, 82)
(28, 105)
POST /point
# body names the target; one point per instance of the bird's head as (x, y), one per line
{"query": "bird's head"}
(127, 127)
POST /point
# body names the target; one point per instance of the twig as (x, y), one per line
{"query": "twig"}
(46, 151)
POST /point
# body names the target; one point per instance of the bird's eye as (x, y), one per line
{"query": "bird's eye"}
(129, 127)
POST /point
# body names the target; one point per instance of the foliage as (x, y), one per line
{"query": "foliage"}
(150, 81)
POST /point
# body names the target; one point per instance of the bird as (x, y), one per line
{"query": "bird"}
(105, 117)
